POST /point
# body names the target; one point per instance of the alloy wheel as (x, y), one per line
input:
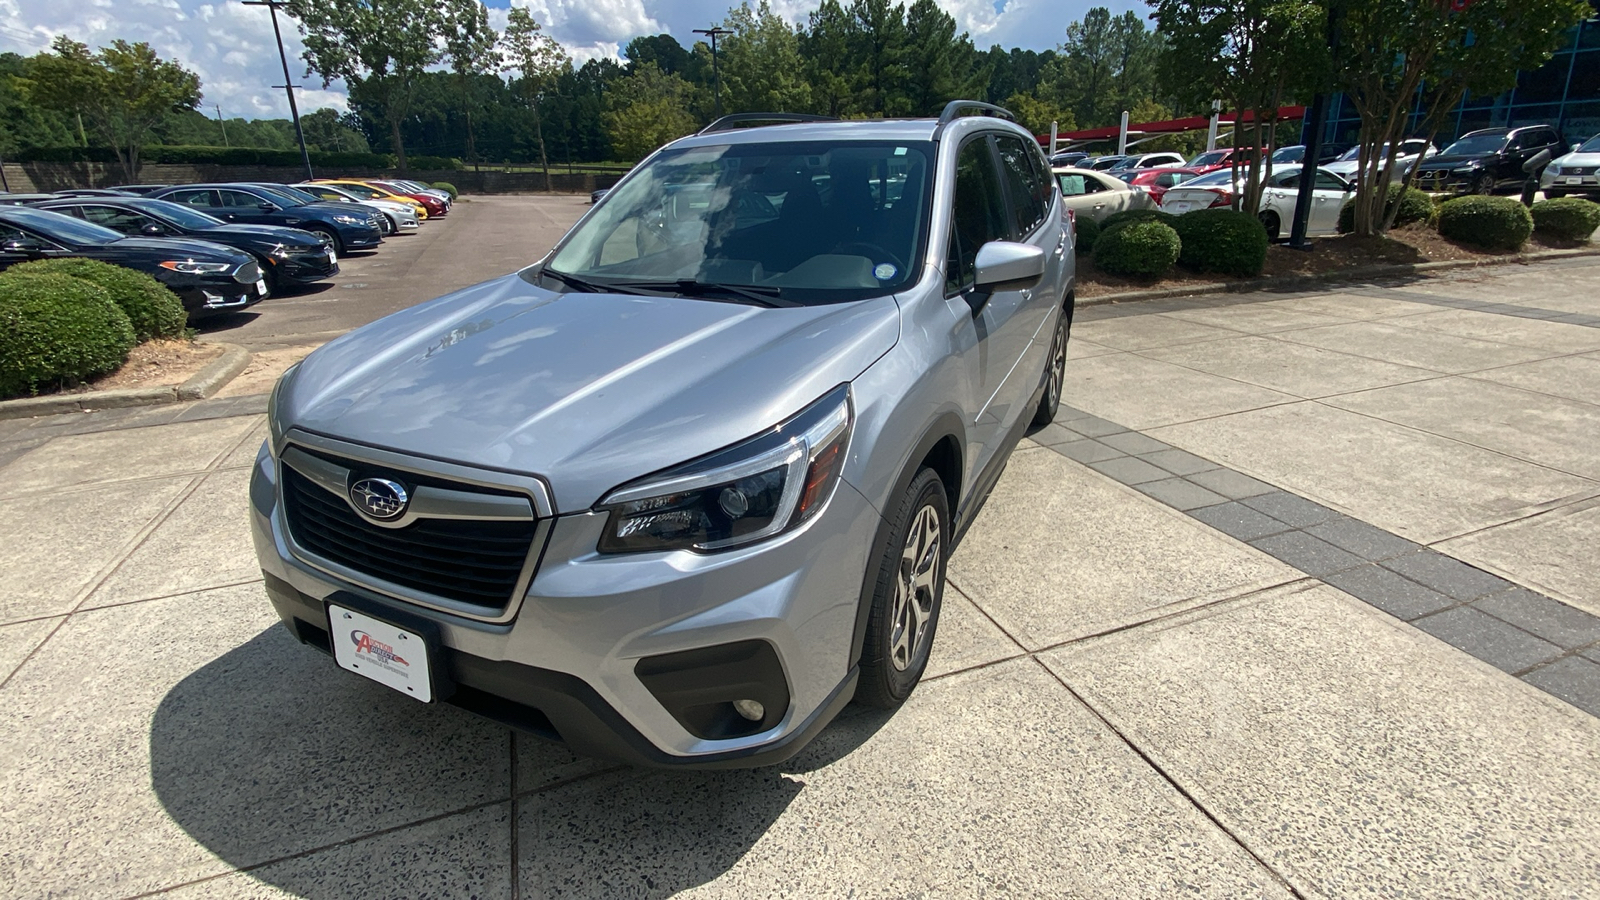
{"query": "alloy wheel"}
(1058, 363)
(915, 588)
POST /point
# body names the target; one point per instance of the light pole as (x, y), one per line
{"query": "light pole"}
(716, 79)
(288, 87)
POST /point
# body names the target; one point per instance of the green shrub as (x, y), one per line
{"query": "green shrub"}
(432, 163)
(1088, 231)
(1222, 240)
(1495, 223)
(1416, 205)
(153, 310)
(1140, 249)
(1566, 219)
(58, 330)
(447, 186)
(1117, 219)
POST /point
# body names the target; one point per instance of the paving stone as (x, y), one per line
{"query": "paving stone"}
(1548, 618)
(1366, 541)
(1129, 470)
(1180, 494)
(1306, 553)
(1179, 462)
(1290, 509)
(1086, 451)
(1593, 653)
(1055, 434)
(1574, 679)
(1135, 443)
(1094, 426)
(1489, 639)
(1239, 521)
(1447, 575)
(1066, 415)
(1231, 484)
(1399, 597)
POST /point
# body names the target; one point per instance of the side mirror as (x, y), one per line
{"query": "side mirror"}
(1007, 266)
(1575, 147)
(152, 229)
(22, 245)
(267, 207)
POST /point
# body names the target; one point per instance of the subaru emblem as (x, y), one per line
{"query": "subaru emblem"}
(379, 498)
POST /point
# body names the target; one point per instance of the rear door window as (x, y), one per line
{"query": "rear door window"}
(116, 219)
(193, 197)
(979, 215)
(1021, 183)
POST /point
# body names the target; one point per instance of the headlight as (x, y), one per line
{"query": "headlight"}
(279, 252)
(351, 220)
(1553, 170)
(190, 267)
(1467, 169)
(756, 489)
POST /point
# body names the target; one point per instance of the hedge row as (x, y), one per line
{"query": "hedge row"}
(1144, 243)
(1494, 223)
(1566, 218)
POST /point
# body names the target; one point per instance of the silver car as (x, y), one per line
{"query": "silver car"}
(680, 490)
(1577, 172)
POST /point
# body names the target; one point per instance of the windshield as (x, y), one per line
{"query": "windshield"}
(178, 214)
(1474, 146)
(1210, 158)
(284, 199)
(812, 222)
(362, 191)
(1289, 155)
(292, 192)
(1211, 179)
(1592, 145)
(61, 228)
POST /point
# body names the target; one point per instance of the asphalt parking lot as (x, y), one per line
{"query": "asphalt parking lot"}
(1295, 599)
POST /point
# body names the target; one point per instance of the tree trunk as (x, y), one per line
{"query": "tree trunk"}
(399, 145)
(544, 160)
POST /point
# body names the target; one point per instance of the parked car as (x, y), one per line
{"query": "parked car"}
(1148, 161)
(207, 277)
(1577, 172)
(1221, 158)
(1218, 188)
(1155, 182)
(1411, 150)
(436, 207)
(93, 192)
(1095, 195)
(143, 190)
(1327, 152)
(366, 191)
(597, 196)
(1068, 158)
(428, 189)
(730, 511)
(247, 204)
(288, 256)
(398, 218)
(1101, 163)
(1484, 161)
(24, 199)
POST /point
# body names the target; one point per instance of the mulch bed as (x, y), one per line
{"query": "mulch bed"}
(155, 363)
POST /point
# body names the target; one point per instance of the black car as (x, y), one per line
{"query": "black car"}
(1068, 158)
(347, 227)
(1481, 162)
(24, 199)
(143, 190)
(94, 192)
(288, 256)
(207, 277)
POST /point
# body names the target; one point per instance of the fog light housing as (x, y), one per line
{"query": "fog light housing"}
(719, 692)
(750, 709)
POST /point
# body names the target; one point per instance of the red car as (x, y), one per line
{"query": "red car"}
(1156, 181)
(1220, 158)
(434, 205)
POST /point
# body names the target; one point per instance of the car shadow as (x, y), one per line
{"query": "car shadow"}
(224, 321)
(269, 751)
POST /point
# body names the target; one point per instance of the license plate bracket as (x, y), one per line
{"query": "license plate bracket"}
(1574, 179)
(399, 650)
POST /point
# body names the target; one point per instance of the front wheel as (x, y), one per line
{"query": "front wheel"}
(1269, 221)
(1056, 373)
(330, 237)
(908, 595)
(1483, 184)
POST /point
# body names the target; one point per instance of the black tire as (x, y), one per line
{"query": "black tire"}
(895, 652)
(328, 234)
(1483, 184)
(387, 226)
(1270, 221)
(1055, 369)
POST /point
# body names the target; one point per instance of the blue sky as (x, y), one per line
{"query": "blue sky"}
(231, 46)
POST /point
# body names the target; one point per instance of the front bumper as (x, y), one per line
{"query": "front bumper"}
(1443, 181)
(582, 658)
(216, 296)
(1585, 180)
(359, 237)
(301, 268)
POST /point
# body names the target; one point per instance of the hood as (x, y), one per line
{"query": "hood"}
(326, 207)
(289, 237)
(1455, 161)
(192, 247)
(586, 390)
(1577, 159)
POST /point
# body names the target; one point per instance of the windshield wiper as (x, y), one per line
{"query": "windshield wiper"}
(760, 295)
(597, 287)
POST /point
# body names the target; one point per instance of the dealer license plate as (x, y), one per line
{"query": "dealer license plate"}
(332, 257)
(1180, 207)
(389, 655)
(1574, 179)
(261, 287)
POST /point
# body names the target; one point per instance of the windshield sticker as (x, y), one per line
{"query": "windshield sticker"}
(899, 151)
(884, 271)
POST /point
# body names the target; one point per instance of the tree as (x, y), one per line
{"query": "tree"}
(469, 48)
(1395, 52)
(325, 129)
(761, 66)
(1251, 54)
(942, 61)
(879, 48)
(661, 49)
(646, 109)
(826, 46)
(539, 60)
(379, 48)
(121, 92)
(1036, 115)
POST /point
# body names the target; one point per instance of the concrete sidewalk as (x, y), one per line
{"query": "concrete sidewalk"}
(1291, 602)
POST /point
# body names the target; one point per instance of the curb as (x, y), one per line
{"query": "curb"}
(1358, 274)
(201, 385)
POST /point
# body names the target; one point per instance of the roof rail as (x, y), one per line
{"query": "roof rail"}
(954, 109)
(729, 122)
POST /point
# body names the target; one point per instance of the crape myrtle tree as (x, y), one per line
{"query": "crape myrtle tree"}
(119, 93)
(1394, 52)
(1252, 55)
(539, 62)
(379, 48)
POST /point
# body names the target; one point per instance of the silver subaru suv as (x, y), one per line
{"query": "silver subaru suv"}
(682, 489)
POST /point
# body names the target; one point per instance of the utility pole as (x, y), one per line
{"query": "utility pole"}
(288, 87)
(716, 78)
(221, 124)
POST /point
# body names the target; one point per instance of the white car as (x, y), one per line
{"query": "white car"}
(398, 218)
(1410, 151)
(1150, 161)
(1217, 189)
(1577, 172)
(1095, 195)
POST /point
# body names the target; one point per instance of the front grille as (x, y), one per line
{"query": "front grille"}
(1577, 170)
(249, 273)
(469, 561)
